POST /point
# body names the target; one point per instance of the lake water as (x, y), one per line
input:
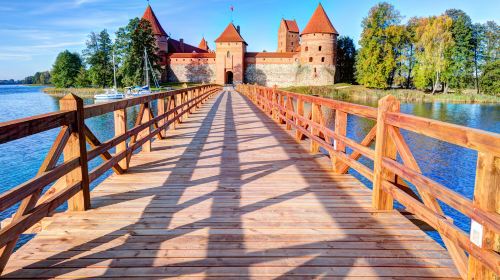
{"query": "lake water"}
(448, 164)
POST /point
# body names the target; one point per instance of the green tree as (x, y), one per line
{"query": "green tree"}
(376, 59)
(490, 78)
(98, 56)
(131, 41)
(434, 38)
(66, 69)
(491, 43)
(461, 55)
(83, 79)
(346, 58)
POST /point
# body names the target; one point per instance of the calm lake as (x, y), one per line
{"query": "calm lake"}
(448, 164)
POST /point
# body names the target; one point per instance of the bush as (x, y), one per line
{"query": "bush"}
(490, 79)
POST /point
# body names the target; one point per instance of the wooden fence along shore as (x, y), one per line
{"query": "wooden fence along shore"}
(475, 255)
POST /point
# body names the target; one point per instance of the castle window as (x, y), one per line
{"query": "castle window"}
(310, 59)
(307, 48)
(322, 59)
(292, 43)
(228, 54)
(319, 48)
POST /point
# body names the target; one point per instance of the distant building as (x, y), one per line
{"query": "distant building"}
(306, 58)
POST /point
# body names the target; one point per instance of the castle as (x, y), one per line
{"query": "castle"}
(306, 58)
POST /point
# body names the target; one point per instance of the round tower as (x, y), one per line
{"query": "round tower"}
(318, 50)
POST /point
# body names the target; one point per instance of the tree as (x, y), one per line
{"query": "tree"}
(98, 55)
(461, 55)
(491, 42)
(131, 41)
(478, 44)
(346, 58)
(408, 57)
(434, 38)
(376, 60)
(66, 69)
(83, 79)
(490, 78)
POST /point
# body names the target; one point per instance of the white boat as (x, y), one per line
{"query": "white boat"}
(143, 90)
(111, 93)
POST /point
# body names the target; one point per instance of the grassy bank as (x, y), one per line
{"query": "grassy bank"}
(358, 93)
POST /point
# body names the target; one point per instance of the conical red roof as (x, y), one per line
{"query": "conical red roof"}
(203, 44)
(230, 34)
(150, 16)
(319, 23)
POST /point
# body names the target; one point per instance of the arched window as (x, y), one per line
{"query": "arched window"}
(322, 59)
(307, 48)
(310, 59)
(228, 54)
(319, 48)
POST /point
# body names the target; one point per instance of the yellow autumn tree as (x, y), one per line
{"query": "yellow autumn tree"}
(433, 39)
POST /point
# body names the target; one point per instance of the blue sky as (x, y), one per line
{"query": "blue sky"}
(32, 32)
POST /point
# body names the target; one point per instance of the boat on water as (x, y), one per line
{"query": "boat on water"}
(110, 94)
(143, 90)
(113, 93)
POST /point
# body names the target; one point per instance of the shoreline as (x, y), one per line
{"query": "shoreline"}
(348, 92)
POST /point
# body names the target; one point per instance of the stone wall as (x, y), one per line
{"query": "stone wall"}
(191, 72)
(315, 75)
(282, 75)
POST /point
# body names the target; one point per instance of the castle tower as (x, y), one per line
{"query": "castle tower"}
(230, 50)
(160, 34)
(288, 36)
(318, 49)
(203, 45)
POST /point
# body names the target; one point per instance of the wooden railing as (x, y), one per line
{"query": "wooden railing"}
(69, 181)
(475, 256)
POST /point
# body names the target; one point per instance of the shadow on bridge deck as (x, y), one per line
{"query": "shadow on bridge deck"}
(231, 194)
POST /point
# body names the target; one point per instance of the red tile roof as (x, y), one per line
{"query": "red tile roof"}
(319, 23)
(230, 34)
(175, 46)
(270, 54)
(191, 55)
(291, 25)
(203, 44)
(150, 16)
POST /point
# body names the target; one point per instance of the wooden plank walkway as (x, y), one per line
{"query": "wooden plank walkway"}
(231, 194)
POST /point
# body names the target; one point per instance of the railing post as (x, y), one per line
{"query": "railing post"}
(161, 106)
(340, 129)
(384, 147)
(146, 147)
(486, 191)
(300, 112)
(120, 117)
(316, 117)
(77, 147)
(274, 104)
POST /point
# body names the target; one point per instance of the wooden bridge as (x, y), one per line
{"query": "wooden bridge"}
(235, 187)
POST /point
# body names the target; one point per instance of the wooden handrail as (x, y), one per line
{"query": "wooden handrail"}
(71, 178)
(484, 259)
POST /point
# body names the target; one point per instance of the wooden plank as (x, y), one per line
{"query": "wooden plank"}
(16, 129)
(471, 138)
(384, 148)
(120, 120)
(486, 194)
(76, 147)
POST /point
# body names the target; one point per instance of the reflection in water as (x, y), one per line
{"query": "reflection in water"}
(446, 163)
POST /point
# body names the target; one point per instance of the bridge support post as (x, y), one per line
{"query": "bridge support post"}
(120, 117)
(384, 147)
(486, 193)
(146, 147)
(316, 118)
(77, 147)
(340, 129)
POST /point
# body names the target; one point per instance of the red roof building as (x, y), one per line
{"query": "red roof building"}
(203, 44)
(230, 34)
(291, 25)
(319, 23)
(150, 16)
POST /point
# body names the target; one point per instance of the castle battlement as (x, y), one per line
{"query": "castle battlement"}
(306, 58)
